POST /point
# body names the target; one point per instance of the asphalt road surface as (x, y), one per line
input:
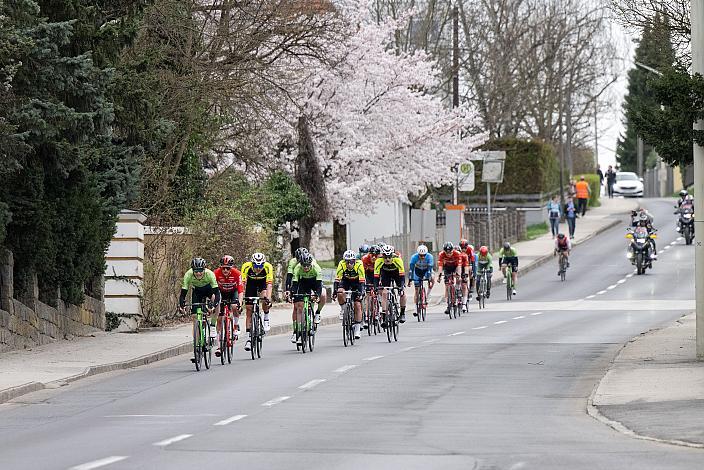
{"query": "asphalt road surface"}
(504, 388)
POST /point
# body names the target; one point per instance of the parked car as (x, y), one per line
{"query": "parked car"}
(628, 184)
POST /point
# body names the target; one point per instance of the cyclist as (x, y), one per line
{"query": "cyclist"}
(292, 263)
(307, 278)
(363, 250)
(205, 287)
(508, 255)
(258, 280)
(449, 260)
(387, 269)
(350, 276)
(230, 285)
(563, 245)
(468, 249)
(420, 267)
(368, 261)
(484, 263)
(467, 272)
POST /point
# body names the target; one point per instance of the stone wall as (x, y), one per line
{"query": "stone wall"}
(23, 327)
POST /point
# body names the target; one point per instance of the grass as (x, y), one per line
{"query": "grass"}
(328, 263)
(536, 230)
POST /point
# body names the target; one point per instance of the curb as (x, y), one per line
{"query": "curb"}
(185, 348)
(593, 410)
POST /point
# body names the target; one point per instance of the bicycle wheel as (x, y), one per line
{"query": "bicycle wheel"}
(231, 340)
(344, 327)
(395, 325)
(350, 326)
(509, 282)
(253, 335)
(197, 352)
(389, 321)
(207, 346)
(260, 336)
(311, 335)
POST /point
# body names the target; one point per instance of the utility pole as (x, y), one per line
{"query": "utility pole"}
(697, 22)
(639, 156)
(568, 139)
(596, 136)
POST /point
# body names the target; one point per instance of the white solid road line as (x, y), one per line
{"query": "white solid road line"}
(373, 358)
(312, 383)
(275, 401)
(500, 322)
(99, 463)
(479, 327)
(232, 419)
(590, 296)
(601, 292)
(457, 333)
(536, 313)
(342, 369)
(171, 440)
(518, 317)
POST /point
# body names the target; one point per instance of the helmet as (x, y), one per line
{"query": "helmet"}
(364, 248)
(375, 250)
(258, 259)
(299, 253)
(422, 250)
(227, 261)
(306, 260)
(507, 246)
(464, 243)
(198, 264)
(448, 246)
(388, 250)
(349, 255)
(471, 247)
(683, 193)
(483, 250)
(560, 236)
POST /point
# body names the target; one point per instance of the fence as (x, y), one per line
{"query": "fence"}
(658, 181)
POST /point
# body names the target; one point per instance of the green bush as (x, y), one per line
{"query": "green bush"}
(595, 187)
(531, 168)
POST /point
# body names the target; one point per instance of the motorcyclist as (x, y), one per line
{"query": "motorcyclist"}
(687, 202)
(646, 220)
(684, 195)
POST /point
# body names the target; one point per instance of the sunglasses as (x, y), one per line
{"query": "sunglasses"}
(199, 270)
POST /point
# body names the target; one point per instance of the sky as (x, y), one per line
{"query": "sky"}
(609, 124)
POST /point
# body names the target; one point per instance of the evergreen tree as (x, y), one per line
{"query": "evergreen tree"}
(654, 50)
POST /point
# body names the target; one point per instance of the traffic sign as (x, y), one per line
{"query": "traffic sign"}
(466, 176)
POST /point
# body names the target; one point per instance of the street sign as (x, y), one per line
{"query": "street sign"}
(493, 171)
(466, 176)
(488, 155)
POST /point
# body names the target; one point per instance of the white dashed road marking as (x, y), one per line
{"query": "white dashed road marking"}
(312, 383)
(171, 440)
(232, 419)
(479, 327)
(409, 348)
(373, 358)
(601, 292)
(500, 322)
(518, 317)
(668, 247)
(620, 281)
(342, 369)
(99, 463)
(536, 313)
(275, 401)
(629, 275)
(434, 340)
(611, 287)
(590, 296)
(457, 333)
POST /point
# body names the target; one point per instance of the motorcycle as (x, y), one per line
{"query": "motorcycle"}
(640, 249)
(685, 222)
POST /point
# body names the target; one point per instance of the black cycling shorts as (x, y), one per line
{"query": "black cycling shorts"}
(513, 261)
(227, 298)
(304, 287)
(386, 278)
(448, 272)
(200, 295)
(254, 288)
(353, 285)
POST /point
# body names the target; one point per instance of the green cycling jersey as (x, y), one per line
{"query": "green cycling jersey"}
(313, 273)
(189, 280)
(293, 263)
(510, 253)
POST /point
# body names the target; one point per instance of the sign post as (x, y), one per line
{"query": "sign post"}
(492, 172)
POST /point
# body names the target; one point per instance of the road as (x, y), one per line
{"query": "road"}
(504, 388)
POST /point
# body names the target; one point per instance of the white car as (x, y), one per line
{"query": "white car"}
(628, 184)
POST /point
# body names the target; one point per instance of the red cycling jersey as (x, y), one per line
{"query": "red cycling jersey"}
(451, 261)
(368, 262)
(470, 254)
(231, 282)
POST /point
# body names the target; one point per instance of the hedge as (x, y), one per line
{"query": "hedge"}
(531, 168)
(594, 185)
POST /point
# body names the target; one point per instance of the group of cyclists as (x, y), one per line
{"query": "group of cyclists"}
(369, 270)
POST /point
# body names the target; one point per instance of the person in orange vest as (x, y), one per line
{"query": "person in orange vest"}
(583, 193)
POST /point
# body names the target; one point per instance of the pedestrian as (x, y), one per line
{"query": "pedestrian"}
(583, 192)
(571, 216)
(554, 214)
(610, 181)
(600, 174)
(572, 189)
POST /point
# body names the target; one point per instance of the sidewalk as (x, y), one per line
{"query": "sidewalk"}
(57, 364)
(655, 387)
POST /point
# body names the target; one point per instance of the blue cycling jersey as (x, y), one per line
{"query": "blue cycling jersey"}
(420, 265)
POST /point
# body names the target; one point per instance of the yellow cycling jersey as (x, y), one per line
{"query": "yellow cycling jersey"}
(388, 265)
(356, 273)
(265, 274)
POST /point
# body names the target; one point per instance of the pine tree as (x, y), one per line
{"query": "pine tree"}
(654, 50)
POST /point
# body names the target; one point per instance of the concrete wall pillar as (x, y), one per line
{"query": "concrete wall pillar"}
(124, 273)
